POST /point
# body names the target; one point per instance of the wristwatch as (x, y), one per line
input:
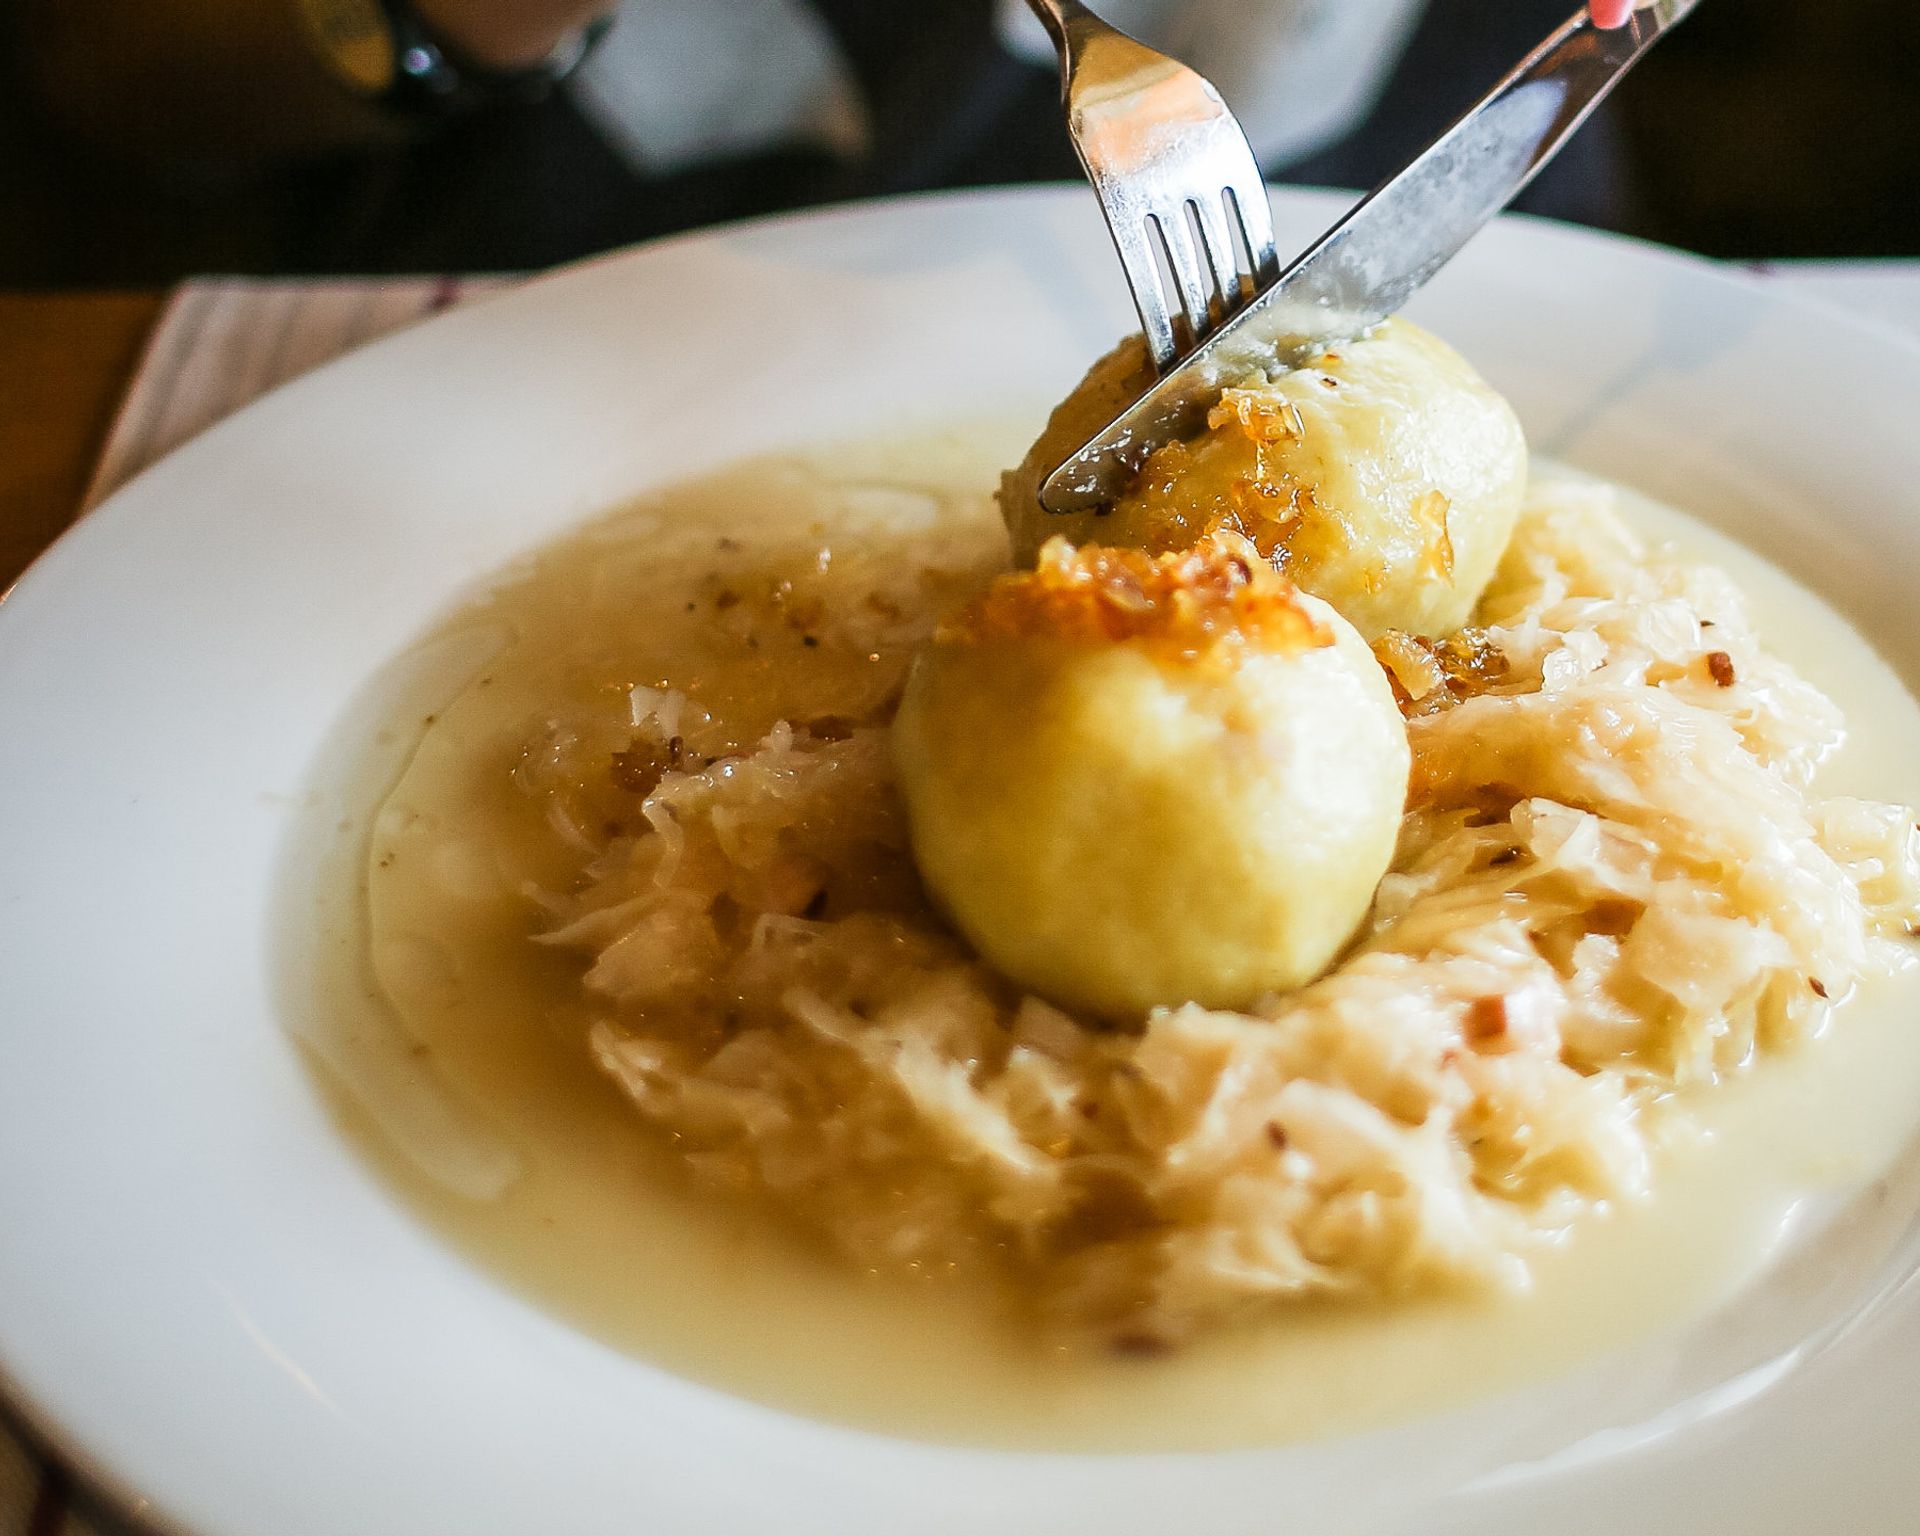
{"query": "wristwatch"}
(383, 51)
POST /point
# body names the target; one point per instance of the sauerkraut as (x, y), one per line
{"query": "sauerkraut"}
(1613, 888)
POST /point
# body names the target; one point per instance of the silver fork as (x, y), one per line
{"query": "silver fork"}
(1176, 178)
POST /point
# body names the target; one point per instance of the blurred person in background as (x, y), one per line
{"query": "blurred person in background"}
(143, 139)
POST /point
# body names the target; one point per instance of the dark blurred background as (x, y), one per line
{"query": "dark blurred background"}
(131, 156)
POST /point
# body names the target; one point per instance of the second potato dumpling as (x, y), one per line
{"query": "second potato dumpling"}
(1137, 781)
(1383, 475)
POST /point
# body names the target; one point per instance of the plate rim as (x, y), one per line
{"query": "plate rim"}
(92, 1465)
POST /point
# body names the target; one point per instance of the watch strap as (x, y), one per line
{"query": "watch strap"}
(385, 52)
(432, 75)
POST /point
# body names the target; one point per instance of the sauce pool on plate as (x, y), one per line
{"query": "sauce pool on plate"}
(455, 1047)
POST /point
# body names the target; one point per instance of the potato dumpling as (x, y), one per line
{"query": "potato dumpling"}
(1134, 781)
(1384, 476)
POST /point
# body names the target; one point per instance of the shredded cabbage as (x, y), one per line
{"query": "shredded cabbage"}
(1612, 883)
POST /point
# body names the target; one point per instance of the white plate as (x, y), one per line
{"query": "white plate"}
(205, 1295)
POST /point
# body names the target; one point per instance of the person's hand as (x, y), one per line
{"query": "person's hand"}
(508, 34)
(1610, 13)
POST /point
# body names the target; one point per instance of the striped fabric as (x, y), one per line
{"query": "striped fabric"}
(223, 341)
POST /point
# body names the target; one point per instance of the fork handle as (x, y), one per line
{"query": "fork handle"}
(1063, 19)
